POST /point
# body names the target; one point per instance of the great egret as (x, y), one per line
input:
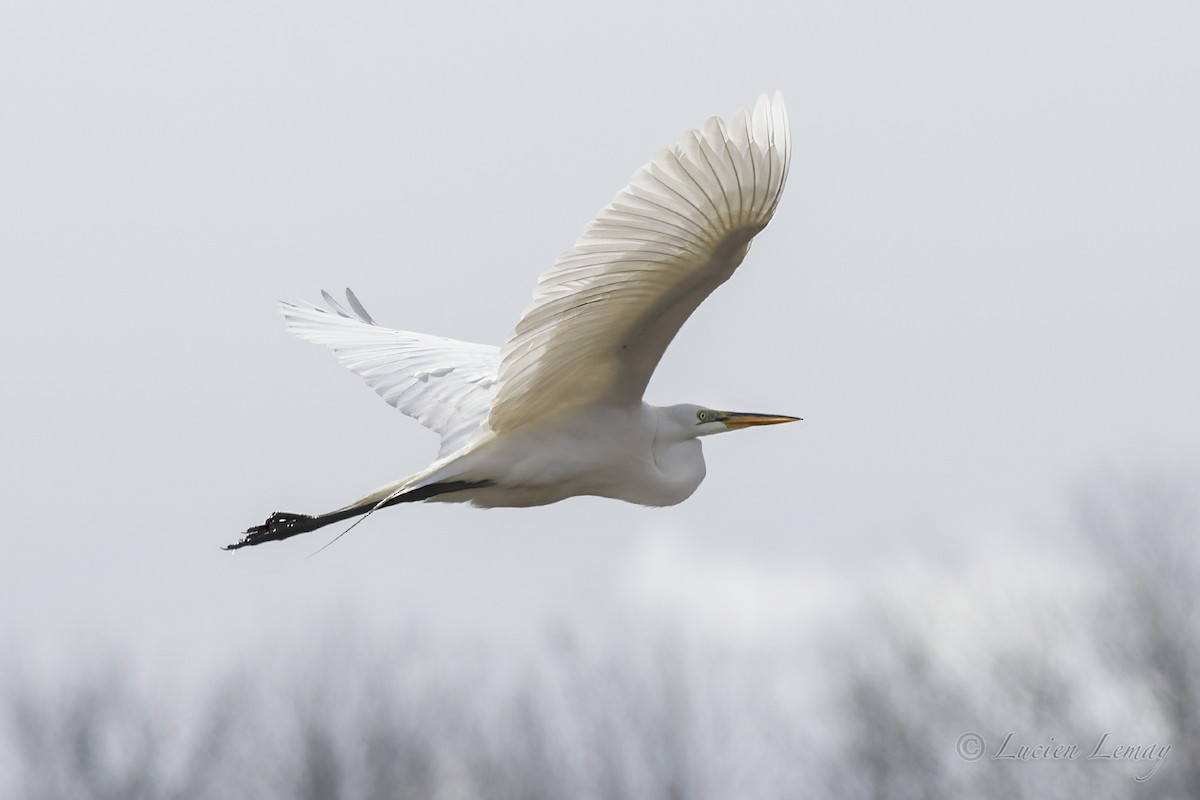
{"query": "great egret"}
(557, 411)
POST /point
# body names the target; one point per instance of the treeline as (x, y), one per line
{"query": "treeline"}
(1080, 701)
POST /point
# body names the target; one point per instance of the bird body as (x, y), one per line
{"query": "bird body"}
(636, 454)
(557, 411)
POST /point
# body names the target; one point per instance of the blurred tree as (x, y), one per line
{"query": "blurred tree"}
(655, 719)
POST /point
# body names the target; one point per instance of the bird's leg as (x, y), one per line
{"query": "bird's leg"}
(282, 525)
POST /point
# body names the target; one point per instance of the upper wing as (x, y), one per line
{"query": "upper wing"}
(603, 315)
(444, 384)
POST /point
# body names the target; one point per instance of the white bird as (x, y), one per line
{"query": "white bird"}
(557, 411)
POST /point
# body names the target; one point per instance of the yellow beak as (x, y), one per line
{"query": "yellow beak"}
(737, 420)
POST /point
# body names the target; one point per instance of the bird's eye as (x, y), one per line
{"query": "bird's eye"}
(702, 416)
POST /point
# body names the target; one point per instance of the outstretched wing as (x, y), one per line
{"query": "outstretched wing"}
(444, 384)
(602, 317)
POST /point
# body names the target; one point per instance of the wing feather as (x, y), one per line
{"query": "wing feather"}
(445, 384)
(602, 317)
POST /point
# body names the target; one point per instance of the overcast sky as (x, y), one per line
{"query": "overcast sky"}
(980, 285)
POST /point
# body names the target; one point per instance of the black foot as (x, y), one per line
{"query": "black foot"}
(280, 525)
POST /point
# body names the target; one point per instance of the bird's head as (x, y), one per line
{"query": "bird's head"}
(692, 421)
